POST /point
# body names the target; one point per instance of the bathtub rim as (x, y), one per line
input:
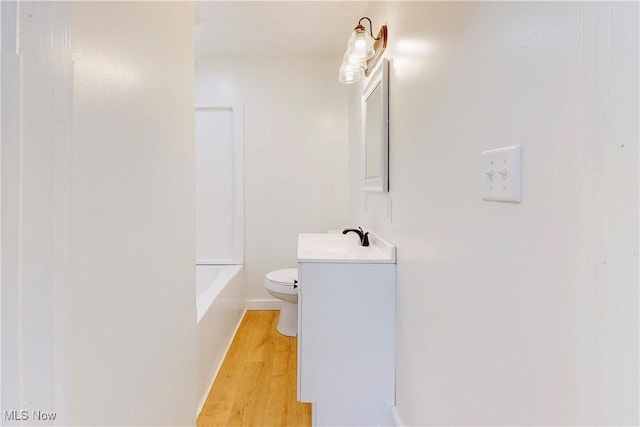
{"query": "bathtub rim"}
(227, 274)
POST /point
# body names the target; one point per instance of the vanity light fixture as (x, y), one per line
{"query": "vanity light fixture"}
(363, 52)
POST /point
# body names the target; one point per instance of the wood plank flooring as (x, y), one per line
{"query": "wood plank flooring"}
(256, 385)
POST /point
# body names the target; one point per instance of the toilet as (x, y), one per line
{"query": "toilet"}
(281, 285)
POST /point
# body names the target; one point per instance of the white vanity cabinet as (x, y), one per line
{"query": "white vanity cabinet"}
(346, 330)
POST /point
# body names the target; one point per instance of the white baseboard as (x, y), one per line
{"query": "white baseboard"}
(263, 304)
(392, 419)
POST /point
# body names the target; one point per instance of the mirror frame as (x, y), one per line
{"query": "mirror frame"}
(380, 77)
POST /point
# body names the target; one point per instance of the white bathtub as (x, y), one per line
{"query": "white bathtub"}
(220, 306)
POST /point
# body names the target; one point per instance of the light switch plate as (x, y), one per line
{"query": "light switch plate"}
(501, 174)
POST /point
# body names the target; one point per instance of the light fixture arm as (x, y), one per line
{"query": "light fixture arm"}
(370, 27)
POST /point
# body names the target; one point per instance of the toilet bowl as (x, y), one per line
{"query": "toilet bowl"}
(280, 284)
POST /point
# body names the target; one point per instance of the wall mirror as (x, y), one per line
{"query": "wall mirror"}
(375, 129)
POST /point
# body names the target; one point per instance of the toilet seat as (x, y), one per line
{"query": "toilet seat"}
(284, 276)
(282, 280)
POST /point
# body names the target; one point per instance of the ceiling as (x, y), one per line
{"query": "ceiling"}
(274, 27)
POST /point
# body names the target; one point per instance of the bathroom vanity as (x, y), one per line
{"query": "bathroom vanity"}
(346, 328)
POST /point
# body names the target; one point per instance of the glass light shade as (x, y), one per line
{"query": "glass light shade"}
(350, 73)
(360, 46)
(361, 63)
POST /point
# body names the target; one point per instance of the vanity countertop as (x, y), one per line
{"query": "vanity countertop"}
(339, 248)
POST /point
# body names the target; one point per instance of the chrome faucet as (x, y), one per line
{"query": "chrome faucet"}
(364, 237)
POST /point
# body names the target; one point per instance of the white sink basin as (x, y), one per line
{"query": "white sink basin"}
(344, 248)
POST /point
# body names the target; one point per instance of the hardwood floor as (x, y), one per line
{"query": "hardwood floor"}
(256, 385)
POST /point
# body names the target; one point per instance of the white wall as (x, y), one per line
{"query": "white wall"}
(295, 130)
(98, 277)
(132, 241)
(491, 296)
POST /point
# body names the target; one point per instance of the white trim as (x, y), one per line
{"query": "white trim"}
(61, 287)
(203, 399)
(238, 144)
(263, 304)
(379, 78)
(1, 406)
